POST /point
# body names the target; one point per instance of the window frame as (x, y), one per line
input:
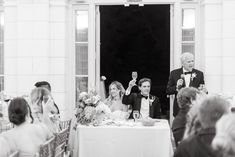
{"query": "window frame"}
(197, 52)
(2, 75)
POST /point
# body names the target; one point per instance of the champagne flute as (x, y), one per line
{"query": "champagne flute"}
(136, 115)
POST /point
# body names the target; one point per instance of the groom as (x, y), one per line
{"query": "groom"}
(186, 76)
(147, 104)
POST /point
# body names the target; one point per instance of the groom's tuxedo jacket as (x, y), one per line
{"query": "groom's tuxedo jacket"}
(134, 100)
(175, 75)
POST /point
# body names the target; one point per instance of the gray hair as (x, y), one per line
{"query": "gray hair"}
(211, 110)
(185, 55)
(224, 140)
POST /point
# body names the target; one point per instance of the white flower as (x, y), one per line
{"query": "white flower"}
(82, 95)
(89, 112)
(193, 76)
(103, 78)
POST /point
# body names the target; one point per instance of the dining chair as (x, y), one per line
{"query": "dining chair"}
(63, 125)
(48, 148)
(60, 142)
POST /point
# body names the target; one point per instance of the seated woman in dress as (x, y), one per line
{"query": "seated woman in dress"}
(36, 105)
(44, 109)
(24, 137)
(114, 100)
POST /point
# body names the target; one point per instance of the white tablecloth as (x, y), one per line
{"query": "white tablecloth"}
(123, 141)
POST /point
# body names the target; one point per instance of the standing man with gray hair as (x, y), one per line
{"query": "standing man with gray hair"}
(186, 76)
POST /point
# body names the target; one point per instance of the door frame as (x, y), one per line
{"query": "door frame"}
(175, 35)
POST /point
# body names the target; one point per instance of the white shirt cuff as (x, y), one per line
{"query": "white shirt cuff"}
(127, 92)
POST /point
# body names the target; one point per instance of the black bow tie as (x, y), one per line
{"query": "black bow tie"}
(185, 73)
(142, 96)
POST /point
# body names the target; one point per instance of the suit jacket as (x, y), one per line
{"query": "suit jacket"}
(134, 100)
(179, 125)
(175, 75)
(198, 145)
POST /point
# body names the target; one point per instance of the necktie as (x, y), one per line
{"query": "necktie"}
(146, 97)
(185, 73)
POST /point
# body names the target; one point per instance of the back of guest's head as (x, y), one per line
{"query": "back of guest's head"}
(186, 95)
(224, 140)
(43, 84)
(18, 110)
(211, 110)
(119, 86)
(141, 81)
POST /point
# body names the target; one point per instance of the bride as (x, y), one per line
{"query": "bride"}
(114, 100)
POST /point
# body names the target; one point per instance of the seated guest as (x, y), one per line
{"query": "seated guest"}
(24, 137)
(47, 85)
(224, 141)
(43, 108)
(199, 145)
(114, 100)
(36, 104)
(184, 99)
(193, 125)
(145, 103)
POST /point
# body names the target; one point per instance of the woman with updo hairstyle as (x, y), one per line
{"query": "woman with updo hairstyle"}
(24, 137)
(18, 111)
(224, 140)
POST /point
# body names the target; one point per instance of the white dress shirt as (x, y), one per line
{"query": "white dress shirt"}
(144, 110)
(187, 78)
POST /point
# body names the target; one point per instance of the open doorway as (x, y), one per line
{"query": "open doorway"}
(136, 39)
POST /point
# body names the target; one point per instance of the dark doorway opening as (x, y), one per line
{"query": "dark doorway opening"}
(136, 39)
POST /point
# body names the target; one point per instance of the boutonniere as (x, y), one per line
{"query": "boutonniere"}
(194, 75)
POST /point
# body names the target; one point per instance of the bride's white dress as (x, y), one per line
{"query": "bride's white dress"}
(118, 110)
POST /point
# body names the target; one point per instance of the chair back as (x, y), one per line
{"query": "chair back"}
(65, 124)
(14, 154)
(60, 142)
(48, 148)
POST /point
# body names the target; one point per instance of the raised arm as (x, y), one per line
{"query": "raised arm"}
(128, 97)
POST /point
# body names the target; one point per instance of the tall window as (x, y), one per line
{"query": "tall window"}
(1, 51)
(81, 52)
(188, 30)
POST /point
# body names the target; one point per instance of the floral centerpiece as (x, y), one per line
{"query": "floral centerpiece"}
(91, 110)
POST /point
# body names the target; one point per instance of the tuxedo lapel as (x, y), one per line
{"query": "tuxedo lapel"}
(182, 73)
(191, 84)
(151, 107)
(138, 102)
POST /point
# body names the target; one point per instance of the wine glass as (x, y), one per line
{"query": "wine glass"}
(134, 75)
(136, 115)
